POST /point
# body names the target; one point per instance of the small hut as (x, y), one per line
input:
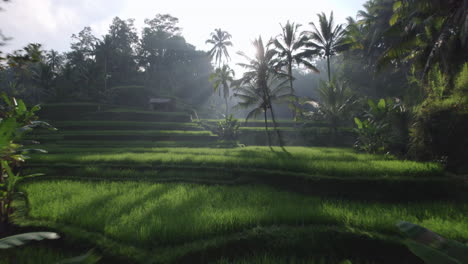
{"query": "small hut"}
(162, 104)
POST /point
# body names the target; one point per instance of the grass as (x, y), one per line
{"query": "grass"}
(130, 125)
(312, 161)
(134, 110)
(117, 114)
(272, 259)
(66, 146)
(168, 175)
(295, 129)
(36, 253)
(148, 215)
(31, 255)
(125, 135)
(133, 132)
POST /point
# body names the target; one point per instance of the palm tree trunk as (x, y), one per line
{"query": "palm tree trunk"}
(292, 89)
(328, 67)
(280, 139)
(227, 107)
(290, 77)
(266, 127)
(105, 74)
(334, 131)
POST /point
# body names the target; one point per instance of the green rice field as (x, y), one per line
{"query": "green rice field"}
(135, 192)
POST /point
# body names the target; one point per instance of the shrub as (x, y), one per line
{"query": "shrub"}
(441, 122)
(228, 129)
(384, 127)
(15, 120)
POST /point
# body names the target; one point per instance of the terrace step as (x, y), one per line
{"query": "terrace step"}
(125, 125)
(202, 138)
(129, 135)
(369, 189)
(124, 115)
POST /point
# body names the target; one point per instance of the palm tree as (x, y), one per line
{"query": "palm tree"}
(260, 101)
(223, 76)
(334, 105)
(328, 40)
(220, 40)
(260, 76)
(289, 49)
(433, 31)
(54, 60)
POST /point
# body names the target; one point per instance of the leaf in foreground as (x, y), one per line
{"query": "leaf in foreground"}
(21, 239)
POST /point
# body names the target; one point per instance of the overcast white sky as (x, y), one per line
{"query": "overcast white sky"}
(52, 22)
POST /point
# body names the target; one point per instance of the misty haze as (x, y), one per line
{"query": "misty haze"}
(234, 132)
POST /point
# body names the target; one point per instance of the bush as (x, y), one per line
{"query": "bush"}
(441, 123)
(384, 127)
(15, 121)
(228, 129)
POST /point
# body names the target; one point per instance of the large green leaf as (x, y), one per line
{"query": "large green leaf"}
(358, 122)
(372, 105)
(430, 245)
(6, 99)
(382, 105)
(7, 131)
(21, 108)
(21, 239)
(430, 255)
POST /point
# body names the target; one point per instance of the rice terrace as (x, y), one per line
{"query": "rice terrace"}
(339, 141)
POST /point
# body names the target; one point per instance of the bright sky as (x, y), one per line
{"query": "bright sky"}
(52, 22)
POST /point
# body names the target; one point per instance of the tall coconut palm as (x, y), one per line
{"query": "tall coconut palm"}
(289, 49)
(224, 77)
(220, 40)
(334, 105)
(260, 101)
(328, 39)
(55, 60)
(260, 76)
(288, 46)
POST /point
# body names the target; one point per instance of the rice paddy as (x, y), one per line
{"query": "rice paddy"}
(313, 161)
(161, 214)
(137, 191)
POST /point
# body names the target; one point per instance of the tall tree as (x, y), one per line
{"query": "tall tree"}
(261, 74)
(103, 52)
(55, 60)
(224, 77)
(124, 38)
(289, 49)
(362, 66)
(334, 105)
(160, 47)
(259, 101)
(431, 31)
(84, 42)
(328, 39)
(24, 65)
(81, 61)
(221, 41)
